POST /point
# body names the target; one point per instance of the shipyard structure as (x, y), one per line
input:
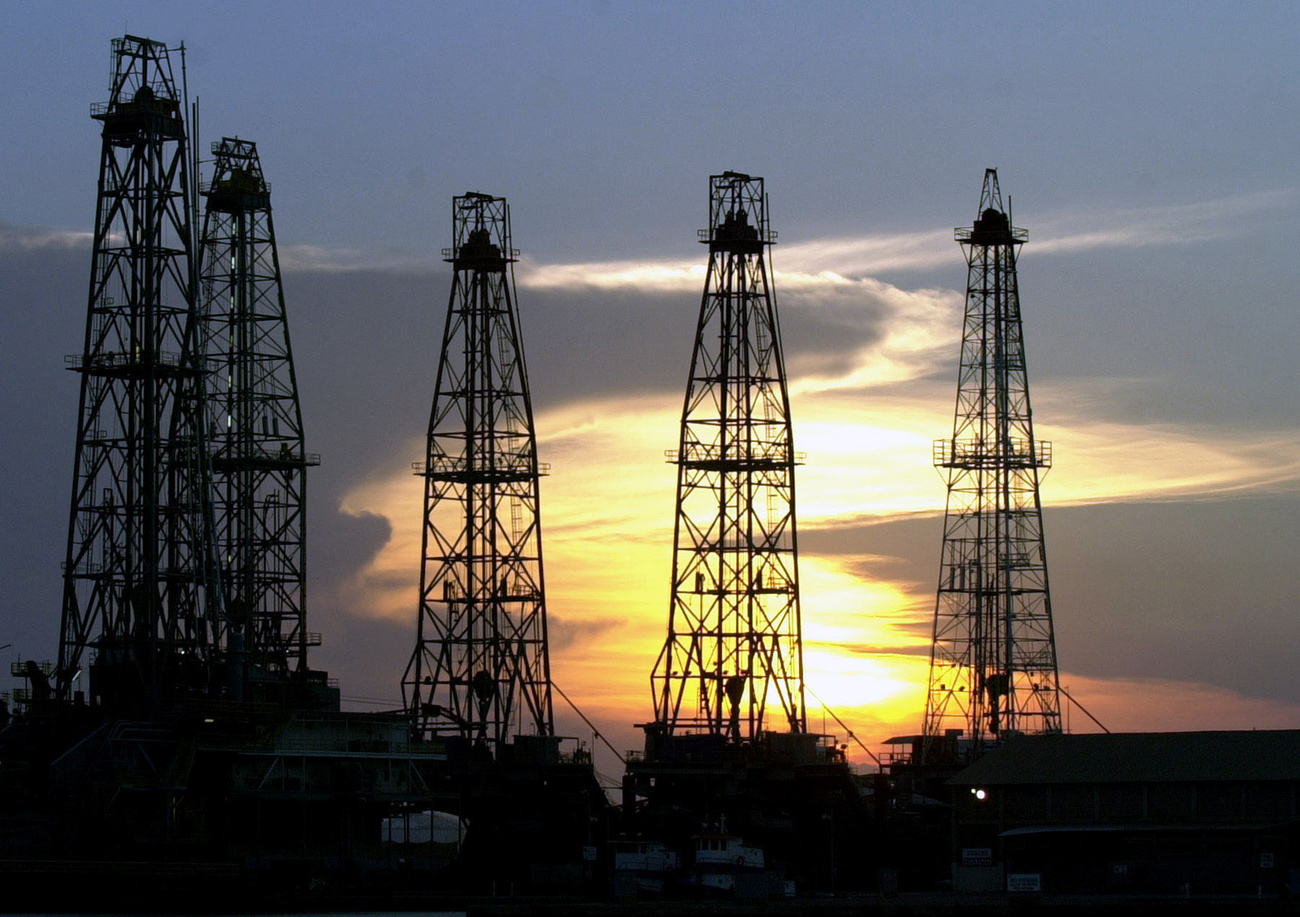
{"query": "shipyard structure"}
(182, 736)
(181, 744)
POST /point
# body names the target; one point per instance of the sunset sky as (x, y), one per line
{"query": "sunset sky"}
(1150, 150)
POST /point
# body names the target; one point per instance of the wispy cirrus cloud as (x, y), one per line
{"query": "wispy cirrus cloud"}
(1060, 233)
(1182, 224)
(658, 275)
(35, 238)
(337, 258)
(847, 256)
(891, 334)
(869, 453)
(857, 256)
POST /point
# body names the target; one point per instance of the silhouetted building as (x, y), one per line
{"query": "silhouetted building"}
(1172, 813)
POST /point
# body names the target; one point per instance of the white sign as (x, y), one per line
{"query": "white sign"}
(977, 856)
(1266, 861)
(1024, 882)
(589, 854)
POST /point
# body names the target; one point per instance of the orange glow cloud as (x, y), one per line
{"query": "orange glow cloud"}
(607, 529)
(867, 431)
(1158, 705)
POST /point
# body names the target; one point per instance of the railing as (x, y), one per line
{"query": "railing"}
(767, 454)
(112, 361)
(456, 465)
(154, 105)
(974, 453)
(19, 668)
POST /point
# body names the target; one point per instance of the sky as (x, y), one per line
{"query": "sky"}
(1149, 149)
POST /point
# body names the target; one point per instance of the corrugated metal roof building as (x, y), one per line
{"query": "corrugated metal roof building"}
(1138, 812)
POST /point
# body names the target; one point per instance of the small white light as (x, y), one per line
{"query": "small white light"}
(980, 794)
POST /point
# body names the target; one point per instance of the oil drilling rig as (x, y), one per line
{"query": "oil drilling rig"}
(729, 748)
(993, 669)
(478, 683)
(258, 453)
(733, 646)
(480, 672)
(182, 723)
(141, 585)
(184, 580)
(182, 718)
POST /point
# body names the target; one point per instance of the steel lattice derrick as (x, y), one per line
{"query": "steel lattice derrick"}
(481, 669)
(259, 458)
(733, 648)
(993, 668)
(139, 584)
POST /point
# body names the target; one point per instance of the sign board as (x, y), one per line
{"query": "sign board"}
(1024, 882)
(977, 856)
(589, 854)
(1266, 861)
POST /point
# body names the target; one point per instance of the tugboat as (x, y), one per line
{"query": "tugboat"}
(719, 858)
(723, 864)
(642, 867)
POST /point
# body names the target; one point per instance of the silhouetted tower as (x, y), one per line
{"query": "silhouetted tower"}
(733, 649)
(139, 585)
(480, 669)
(993, 661)
(258, 455)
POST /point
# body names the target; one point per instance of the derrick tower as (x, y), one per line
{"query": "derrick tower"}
(993, 660)
(140, 588)
(258, 454)
(480, 670)
(732, 664)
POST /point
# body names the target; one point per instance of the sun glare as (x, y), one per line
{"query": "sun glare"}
(866, 432)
